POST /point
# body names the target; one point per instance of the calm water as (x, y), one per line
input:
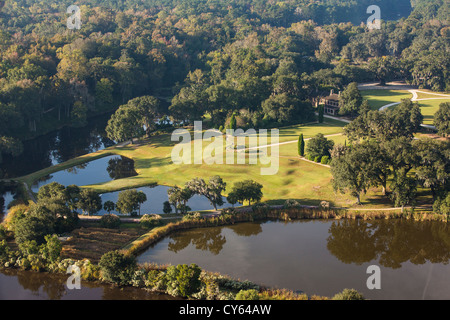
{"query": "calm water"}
(57, 147)
(321, 257)
(93, 172)
(27, 285)
(156, 196)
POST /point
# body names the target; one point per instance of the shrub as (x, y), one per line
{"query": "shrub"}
(3, 232)
(4, 252)
(247, 295)
(317, 159)
(349, 294)
(110, 221)
(325, 160)
(192, 216)
(31, 228)
(156, 280)
(51, 250)
(150, 221)
(291, 204)
(117, 268)
(325, 205)
(183, 280)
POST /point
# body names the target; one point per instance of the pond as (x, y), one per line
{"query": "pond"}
(28, 285)
(8, 193)
(156, 196)
(93, 172)
(57, 147)
(321, 257)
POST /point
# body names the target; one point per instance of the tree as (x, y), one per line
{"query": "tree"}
(104, 94)
(247, 190)
(319, 146)
(442, 205)
(167, 208)
(179, 197)
(349, 172)
(321, 111)
(149, 109)
(401, 121)
(54, 192)
(350, 100)
(109, 206)
(125, 124)
(141, 198)
(232, 125)
(129, 201)
(403, 189)
(31, 228)
(211, 190)
(432, 166)
(90, 201)
(301, 145)
(79, 114)
(442, 119)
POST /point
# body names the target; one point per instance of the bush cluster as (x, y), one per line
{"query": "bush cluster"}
(150, 221)
(110, 221)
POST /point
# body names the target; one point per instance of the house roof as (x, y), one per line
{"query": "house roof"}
(333, 96)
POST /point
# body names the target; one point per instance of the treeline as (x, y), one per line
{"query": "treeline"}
(383, 153)
(201, 59)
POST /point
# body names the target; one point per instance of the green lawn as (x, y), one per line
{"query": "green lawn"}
(429, 108)
(380, 98)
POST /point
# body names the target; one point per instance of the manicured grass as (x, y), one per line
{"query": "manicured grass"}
(153, 163)
(380, 98)
(429, 108)
(307, 182)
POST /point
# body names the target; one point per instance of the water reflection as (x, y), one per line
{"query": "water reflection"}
(8, 193)
(210, 239)
(57, 147)
(28, 285)
(96, 171)
(391, 243)
(119, 168)
(320, 256)
(157, 195)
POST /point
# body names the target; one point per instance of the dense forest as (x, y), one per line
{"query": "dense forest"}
(263, 60)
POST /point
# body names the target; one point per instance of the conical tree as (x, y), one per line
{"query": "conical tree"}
(301, 146)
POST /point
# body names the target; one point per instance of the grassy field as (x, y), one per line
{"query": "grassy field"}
(380, 98)
(429, 108)
(296, 179)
